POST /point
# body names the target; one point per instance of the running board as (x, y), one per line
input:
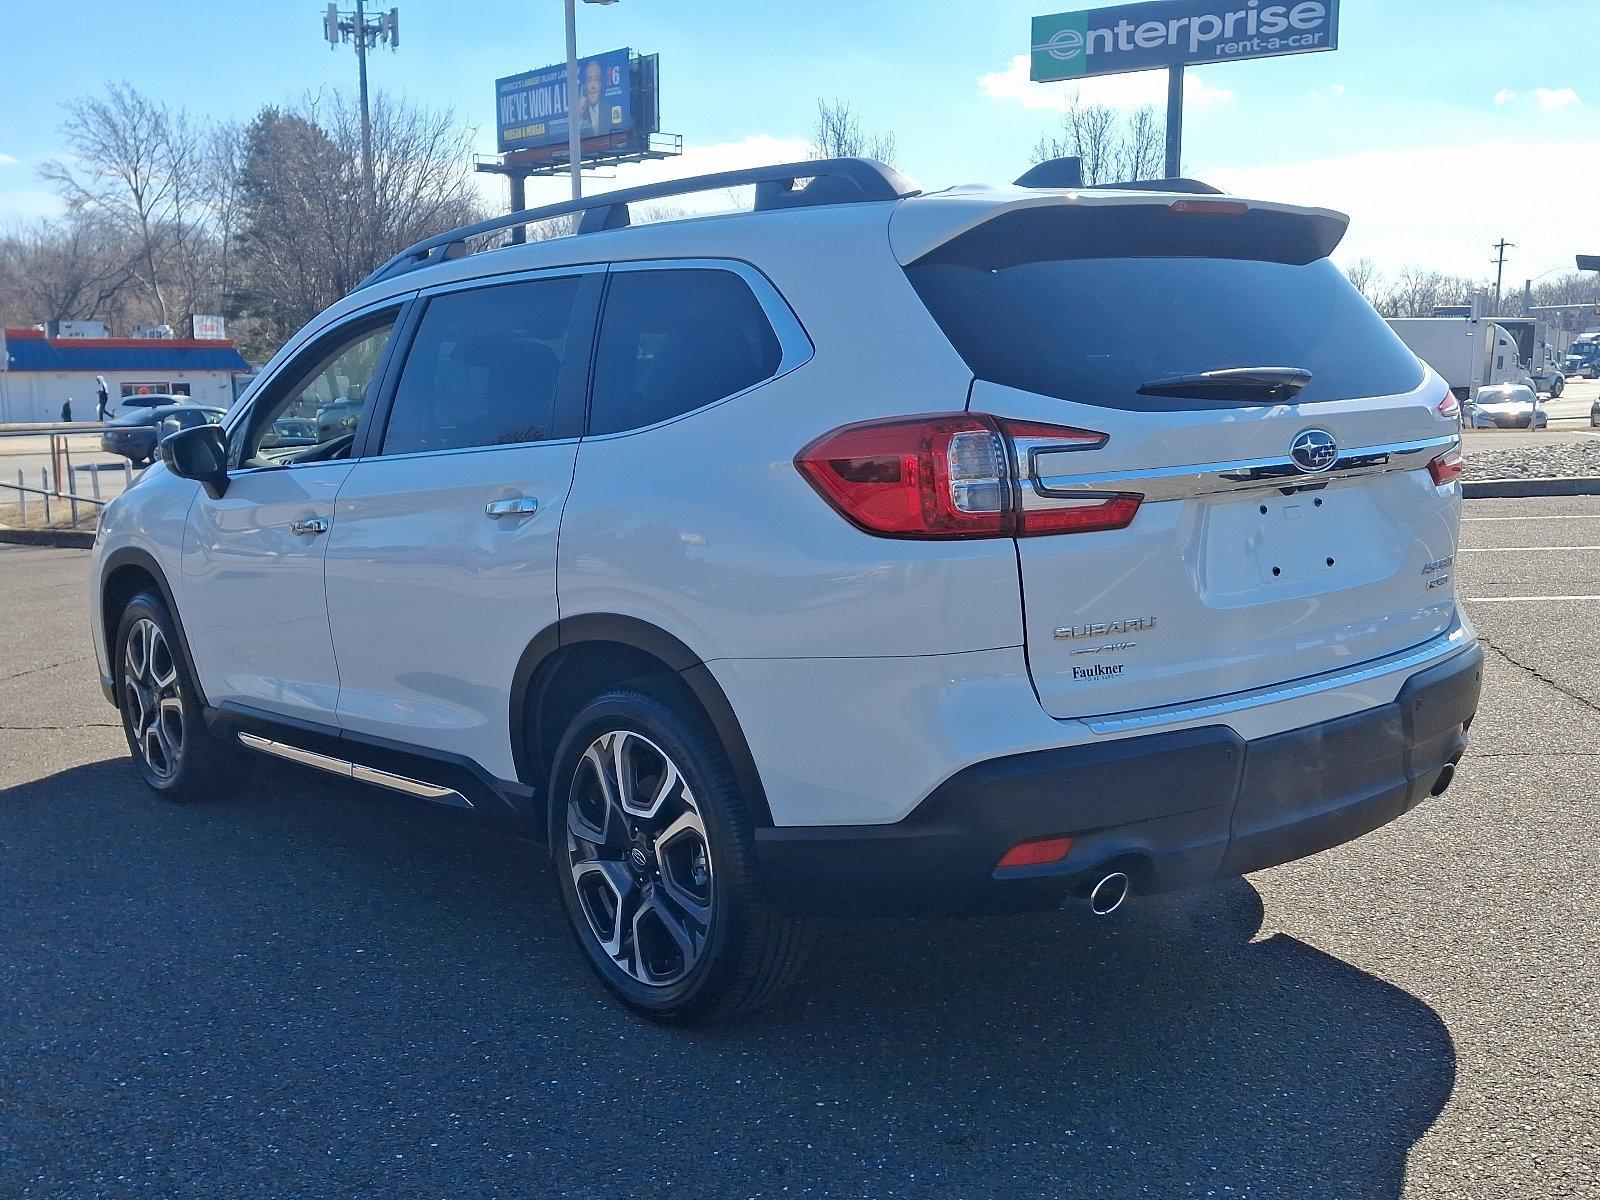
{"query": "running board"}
(346, 769)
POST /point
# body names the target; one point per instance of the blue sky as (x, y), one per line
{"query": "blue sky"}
(1440, 125)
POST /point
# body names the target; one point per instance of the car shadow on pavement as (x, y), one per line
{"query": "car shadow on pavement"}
(314, 988)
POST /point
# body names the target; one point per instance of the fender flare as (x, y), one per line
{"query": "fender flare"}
(135, 556)
(657, 642)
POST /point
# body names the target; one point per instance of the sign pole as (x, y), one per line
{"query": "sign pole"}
(1174, 120)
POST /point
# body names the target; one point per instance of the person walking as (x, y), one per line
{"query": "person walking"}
(66, 410)
(105, 397)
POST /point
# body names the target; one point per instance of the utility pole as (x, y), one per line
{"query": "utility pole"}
(366, 32)
(1499, 261)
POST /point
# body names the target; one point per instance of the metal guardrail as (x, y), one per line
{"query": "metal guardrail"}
(50, 481)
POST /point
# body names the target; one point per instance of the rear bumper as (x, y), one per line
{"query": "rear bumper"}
(1172, 809)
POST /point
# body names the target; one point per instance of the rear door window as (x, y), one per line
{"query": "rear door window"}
(674, 340)
(1037, 306)
(484, 367)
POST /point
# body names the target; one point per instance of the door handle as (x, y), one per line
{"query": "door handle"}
(518, 506)
(311, 525)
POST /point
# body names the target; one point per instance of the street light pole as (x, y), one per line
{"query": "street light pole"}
(574, 139)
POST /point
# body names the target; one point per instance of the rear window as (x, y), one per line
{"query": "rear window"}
(1046, 310)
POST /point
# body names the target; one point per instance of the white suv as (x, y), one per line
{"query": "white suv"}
(872, 552)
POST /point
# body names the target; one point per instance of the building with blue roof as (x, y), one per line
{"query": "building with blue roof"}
(38, 373)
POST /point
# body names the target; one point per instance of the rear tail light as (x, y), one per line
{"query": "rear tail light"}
(953, 475)
(1447, 467)
(1450, 407)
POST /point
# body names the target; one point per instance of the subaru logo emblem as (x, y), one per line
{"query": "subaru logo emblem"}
(1314, 450)
(639, 859)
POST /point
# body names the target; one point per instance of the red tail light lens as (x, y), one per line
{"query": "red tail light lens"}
(1450, 407)
(950, 475)
(928, 477)
(1037, 852)
(1447, 467)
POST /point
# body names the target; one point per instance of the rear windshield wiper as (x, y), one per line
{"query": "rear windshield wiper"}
(1233, 383)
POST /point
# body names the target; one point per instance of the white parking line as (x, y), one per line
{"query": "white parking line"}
(1551, 517)
(1505, 549)
(1523, 599)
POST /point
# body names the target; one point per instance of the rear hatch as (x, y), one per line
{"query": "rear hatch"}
(1282, 533)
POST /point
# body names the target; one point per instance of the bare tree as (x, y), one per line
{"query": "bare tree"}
(838, 134)
(307, 234)
(77, 267)
(122, 173)
(1365, 277)
(1109, 148)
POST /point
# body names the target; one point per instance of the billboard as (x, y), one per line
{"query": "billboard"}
(1169, 33)
(531, 108)
(209, 327)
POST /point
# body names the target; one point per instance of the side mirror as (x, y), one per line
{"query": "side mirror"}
(199, 453)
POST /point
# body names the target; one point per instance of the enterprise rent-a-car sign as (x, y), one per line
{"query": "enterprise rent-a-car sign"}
(1168, 33)
(531, 108)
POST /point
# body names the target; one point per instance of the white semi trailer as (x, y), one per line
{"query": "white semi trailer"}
(1468, 354)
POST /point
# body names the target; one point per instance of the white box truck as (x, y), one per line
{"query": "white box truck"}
(1468, 354)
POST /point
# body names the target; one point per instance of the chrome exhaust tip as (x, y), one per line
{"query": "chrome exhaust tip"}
(1446, 778)
(1108, 894)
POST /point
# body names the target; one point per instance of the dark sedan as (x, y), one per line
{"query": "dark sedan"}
(135, 435)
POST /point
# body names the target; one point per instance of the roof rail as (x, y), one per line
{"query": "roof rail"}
(833, 181)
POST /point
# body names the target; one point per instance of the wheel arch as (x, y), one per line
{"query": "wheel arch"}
(126, 572)
(613, 648)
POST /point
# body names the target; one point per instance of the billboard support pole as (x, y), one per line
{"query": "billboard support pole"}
(574, 140)
(1174, 120)
(519, 201)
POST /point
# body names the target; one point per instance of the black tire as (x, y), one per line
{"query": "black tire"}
(746, 953)
(176, 754)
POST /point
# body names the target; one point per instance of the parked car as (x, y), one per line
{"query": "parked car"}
(795, 563)
(136, 434)
(123, 405)
(290, 431)
(1508, 406)
(338, 420)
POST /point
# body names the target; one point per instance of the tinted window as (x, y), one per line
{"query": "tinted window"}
(1087, 324)
(327, 388)
(484, 367)
(672, 341)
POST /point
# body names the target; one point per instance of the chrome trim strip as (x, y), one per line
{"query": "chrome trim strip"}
(411, 787)
(1204, 479)
(349, 770)
(1446, 644)
(309, 758)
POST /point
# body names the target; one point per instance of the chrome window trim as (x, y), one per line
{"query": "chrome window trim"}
(794, 344)
(1242, 475)
(1451, 642)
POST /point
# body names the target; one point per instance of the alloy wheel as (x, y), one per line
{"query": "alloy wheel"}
(638, 858)
(151, 702)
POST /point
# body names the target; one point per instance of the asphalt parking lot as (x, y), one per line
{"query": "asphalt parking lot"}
(310, 989)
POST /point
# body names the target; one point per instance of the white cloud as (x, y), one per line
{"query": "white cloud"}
(9, 160)
(1549, 99)
(1552, 99)
(1432, 206)
(1116, 91)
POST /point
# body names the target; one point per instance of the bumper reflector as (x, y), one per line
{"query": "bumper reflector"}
(1037, 852)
